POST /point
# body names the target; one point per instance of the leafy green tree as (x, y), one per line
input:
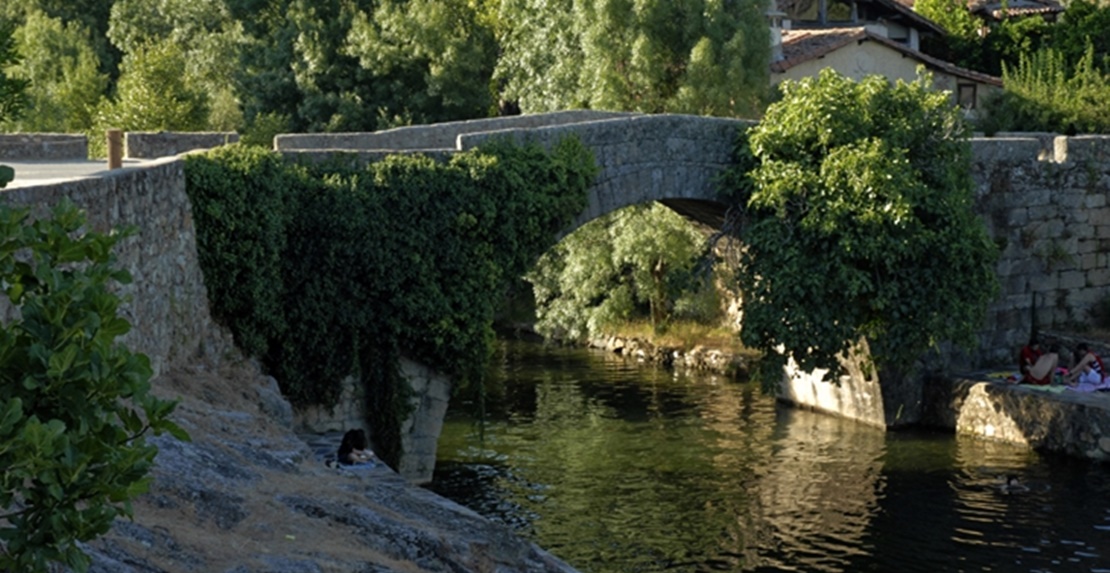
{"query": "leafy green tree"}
(610, 268)
(89, 15)
(13, 96)
(858, 224)
(209, 36)
(155, 93)
(686, 56)
(62, 70)
(10, 92)
(430, 59)
(963, 45)
(74, 406)
(1084, 25)
(359, 65)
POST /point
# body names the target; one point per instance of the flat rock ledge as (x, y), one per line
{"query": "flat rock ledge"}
(1055, 420)
(247, 495)
(698, 358)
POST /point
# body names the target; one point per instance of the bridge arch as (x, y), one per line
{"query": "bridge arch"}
(674, 159)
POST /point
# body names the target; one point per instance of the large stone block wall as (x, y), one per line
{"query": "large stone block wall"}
(43, 146)
(166, 303)
(1044, 201)
(1072, 423)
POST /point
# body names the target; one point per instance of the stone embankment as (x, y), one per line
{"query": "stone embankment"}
(1054, 419)
(1046, 418)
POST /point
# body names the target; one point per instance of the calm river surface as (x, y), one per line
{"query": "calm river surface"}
(616, 467)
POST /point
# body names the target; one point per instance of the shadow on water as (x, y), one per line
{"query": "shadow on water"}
(617, 467)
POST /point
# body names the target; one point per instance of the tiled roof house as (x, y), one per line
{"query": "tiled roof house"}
(863, 37)
(997, 9)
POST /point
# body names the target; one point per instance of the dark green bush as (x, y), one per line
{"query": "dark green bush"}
(327, 270)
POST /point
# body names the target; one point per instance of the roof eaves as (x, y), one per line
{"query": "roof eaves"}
(782, 65)
(937, 63)
(862, 35)
(913, 16)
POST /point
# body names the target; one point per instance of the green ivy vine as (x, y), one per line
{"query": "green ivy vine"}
(324, 271)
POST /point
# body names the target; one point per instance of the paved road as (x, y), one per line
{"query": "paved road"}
(29, 173)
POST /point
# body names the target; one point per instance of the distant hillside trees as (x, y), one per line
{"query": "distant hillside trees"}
(349, 65)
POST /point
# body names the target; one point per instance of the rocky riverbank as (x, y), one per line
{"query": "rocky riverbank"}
(719, 360)
(247, 495)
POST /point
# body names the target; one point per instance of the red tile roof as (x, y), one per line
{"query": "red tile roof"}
(803, 45)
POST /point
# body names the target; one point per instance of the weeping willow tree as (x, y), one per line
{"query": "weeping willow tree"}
(633, 264)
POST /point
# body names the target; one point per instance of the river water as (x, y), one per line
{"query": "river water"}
(617, 467)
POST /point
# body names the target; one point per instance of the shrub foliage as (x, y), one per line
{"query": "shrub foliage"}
(74, 405)
(325, 271)
(859, 224)
(1044, 93)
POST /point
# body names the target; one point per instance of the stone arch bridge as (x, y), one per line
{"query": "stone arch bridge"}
(673, 159)
(1044, 199)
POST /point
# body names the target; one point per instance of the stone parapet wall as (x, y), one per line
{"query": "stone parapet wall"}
(359, 158)
(434, 136)
(43, 146)
(1046, 207)
(151, 145)
(167, 303)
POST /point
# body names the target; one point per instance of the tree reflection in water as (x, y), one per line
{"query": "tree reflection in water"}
(618, 467)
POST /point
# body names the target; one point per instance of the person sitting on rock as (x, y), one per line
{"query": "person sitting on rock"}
(1042, 370)
(1089, 369)
(1029, 355)
(353, 448)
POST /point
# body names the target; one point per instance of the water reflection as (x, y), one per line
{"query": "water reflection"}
(616, 467)
(821, 490)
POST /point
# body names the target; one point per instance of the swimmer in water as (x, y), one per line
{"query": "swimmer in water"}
(1013, 485)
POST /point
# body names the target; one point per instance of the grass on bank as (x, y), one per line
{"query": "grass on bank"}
(684, 335)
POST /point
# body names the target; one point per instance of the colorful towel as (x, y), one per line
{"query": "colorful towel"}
(1101, 386)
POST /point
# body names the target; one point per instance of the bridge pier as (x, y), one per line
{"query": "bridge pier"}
(860, 393)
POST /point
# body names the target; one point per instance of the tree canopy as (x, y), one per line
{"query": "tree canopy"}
(689, 56)
(633, 263)
(858, 224)
(13, 96)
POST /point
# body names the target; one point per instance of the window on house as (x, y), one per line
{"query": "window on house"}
(965, 95)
